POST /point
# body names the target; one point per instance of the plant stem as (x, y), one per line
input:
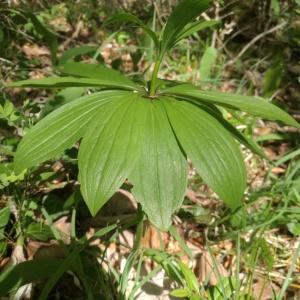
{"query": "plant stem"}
(140, 229)
(154, 77)
(289, 278)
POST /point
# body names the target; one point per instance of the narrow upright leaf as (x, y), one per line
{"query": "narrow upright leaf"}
(49, 37)
(60, 129)
(127, 17)
(185, 12)
(194, 27)
(207, 62)
(160, 174)
(110, 148)
(252, 105)
(211, 148)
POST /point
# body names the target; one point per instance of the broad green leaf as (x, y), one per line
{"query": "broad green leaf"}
(95, 71)
(247, 142)
(252, 105)
(60, 129)
(73, 52)
(30, 271)
(185, 12)
(110, 149)
(39, 231)
(58, 82)
(63, 97)
(160, 174)
(4, 216)
(194, 27)
(127, 17)
(211, 148)
(207, 62)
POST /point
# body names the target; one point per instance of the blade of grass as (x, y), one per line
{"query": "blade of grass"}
(237, 272)
(66, 264)
(145, 279)
(288, 278)
(217, 273)
(181, 242)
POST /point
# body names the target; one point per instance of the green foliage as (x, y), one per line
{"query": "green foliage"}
(27, 272)
(144, 132)
(207, 63)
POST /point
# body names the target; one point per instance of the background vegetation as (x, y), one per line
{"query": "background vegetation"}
(45, 224)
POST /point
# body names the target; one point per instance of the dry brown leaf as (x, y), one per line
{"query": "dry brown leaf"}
(34, 50)
(205, 269)
(4, 261)
(61, 24)
(64, 226)
(153, 238)
(278, 170)
(265, 290)
(36, 250)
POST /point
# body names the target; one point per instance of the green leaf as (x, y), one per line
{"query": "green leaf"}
(60, 129)
(49, 37)
(180, 293)
(247, 142)
(95, 71)
(190, 277)
(39, 231)
(252, 105)
(110, 149)
(272, 78)
(160, 174)
(194, 27)
(294, 228)
(211, 148)
(30, 271)
(73, 52)
(207, 62)
(185, 12)
(127, 17)
(58, 82)
(63, 97)
(225, 288)
(4, 216)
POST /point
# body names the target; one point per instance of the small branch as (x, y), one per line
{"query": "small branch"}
(253, 41)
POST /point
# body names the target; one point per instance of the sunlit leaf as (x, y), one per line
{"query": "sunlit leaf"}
(59, 82)
(195, 27)
(252, 105)
(211, 148)
(207, 62)
(185, 12)
(60, 129)
(96, 71)
(160, 175)
(110, 149)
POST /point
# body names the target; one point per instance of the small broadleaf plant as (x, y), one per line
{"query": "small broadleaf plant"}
(146, 133)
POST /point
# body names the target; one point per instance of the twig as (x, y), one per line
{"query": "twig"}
(215, 32)
(75, 34)
(254, 40)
